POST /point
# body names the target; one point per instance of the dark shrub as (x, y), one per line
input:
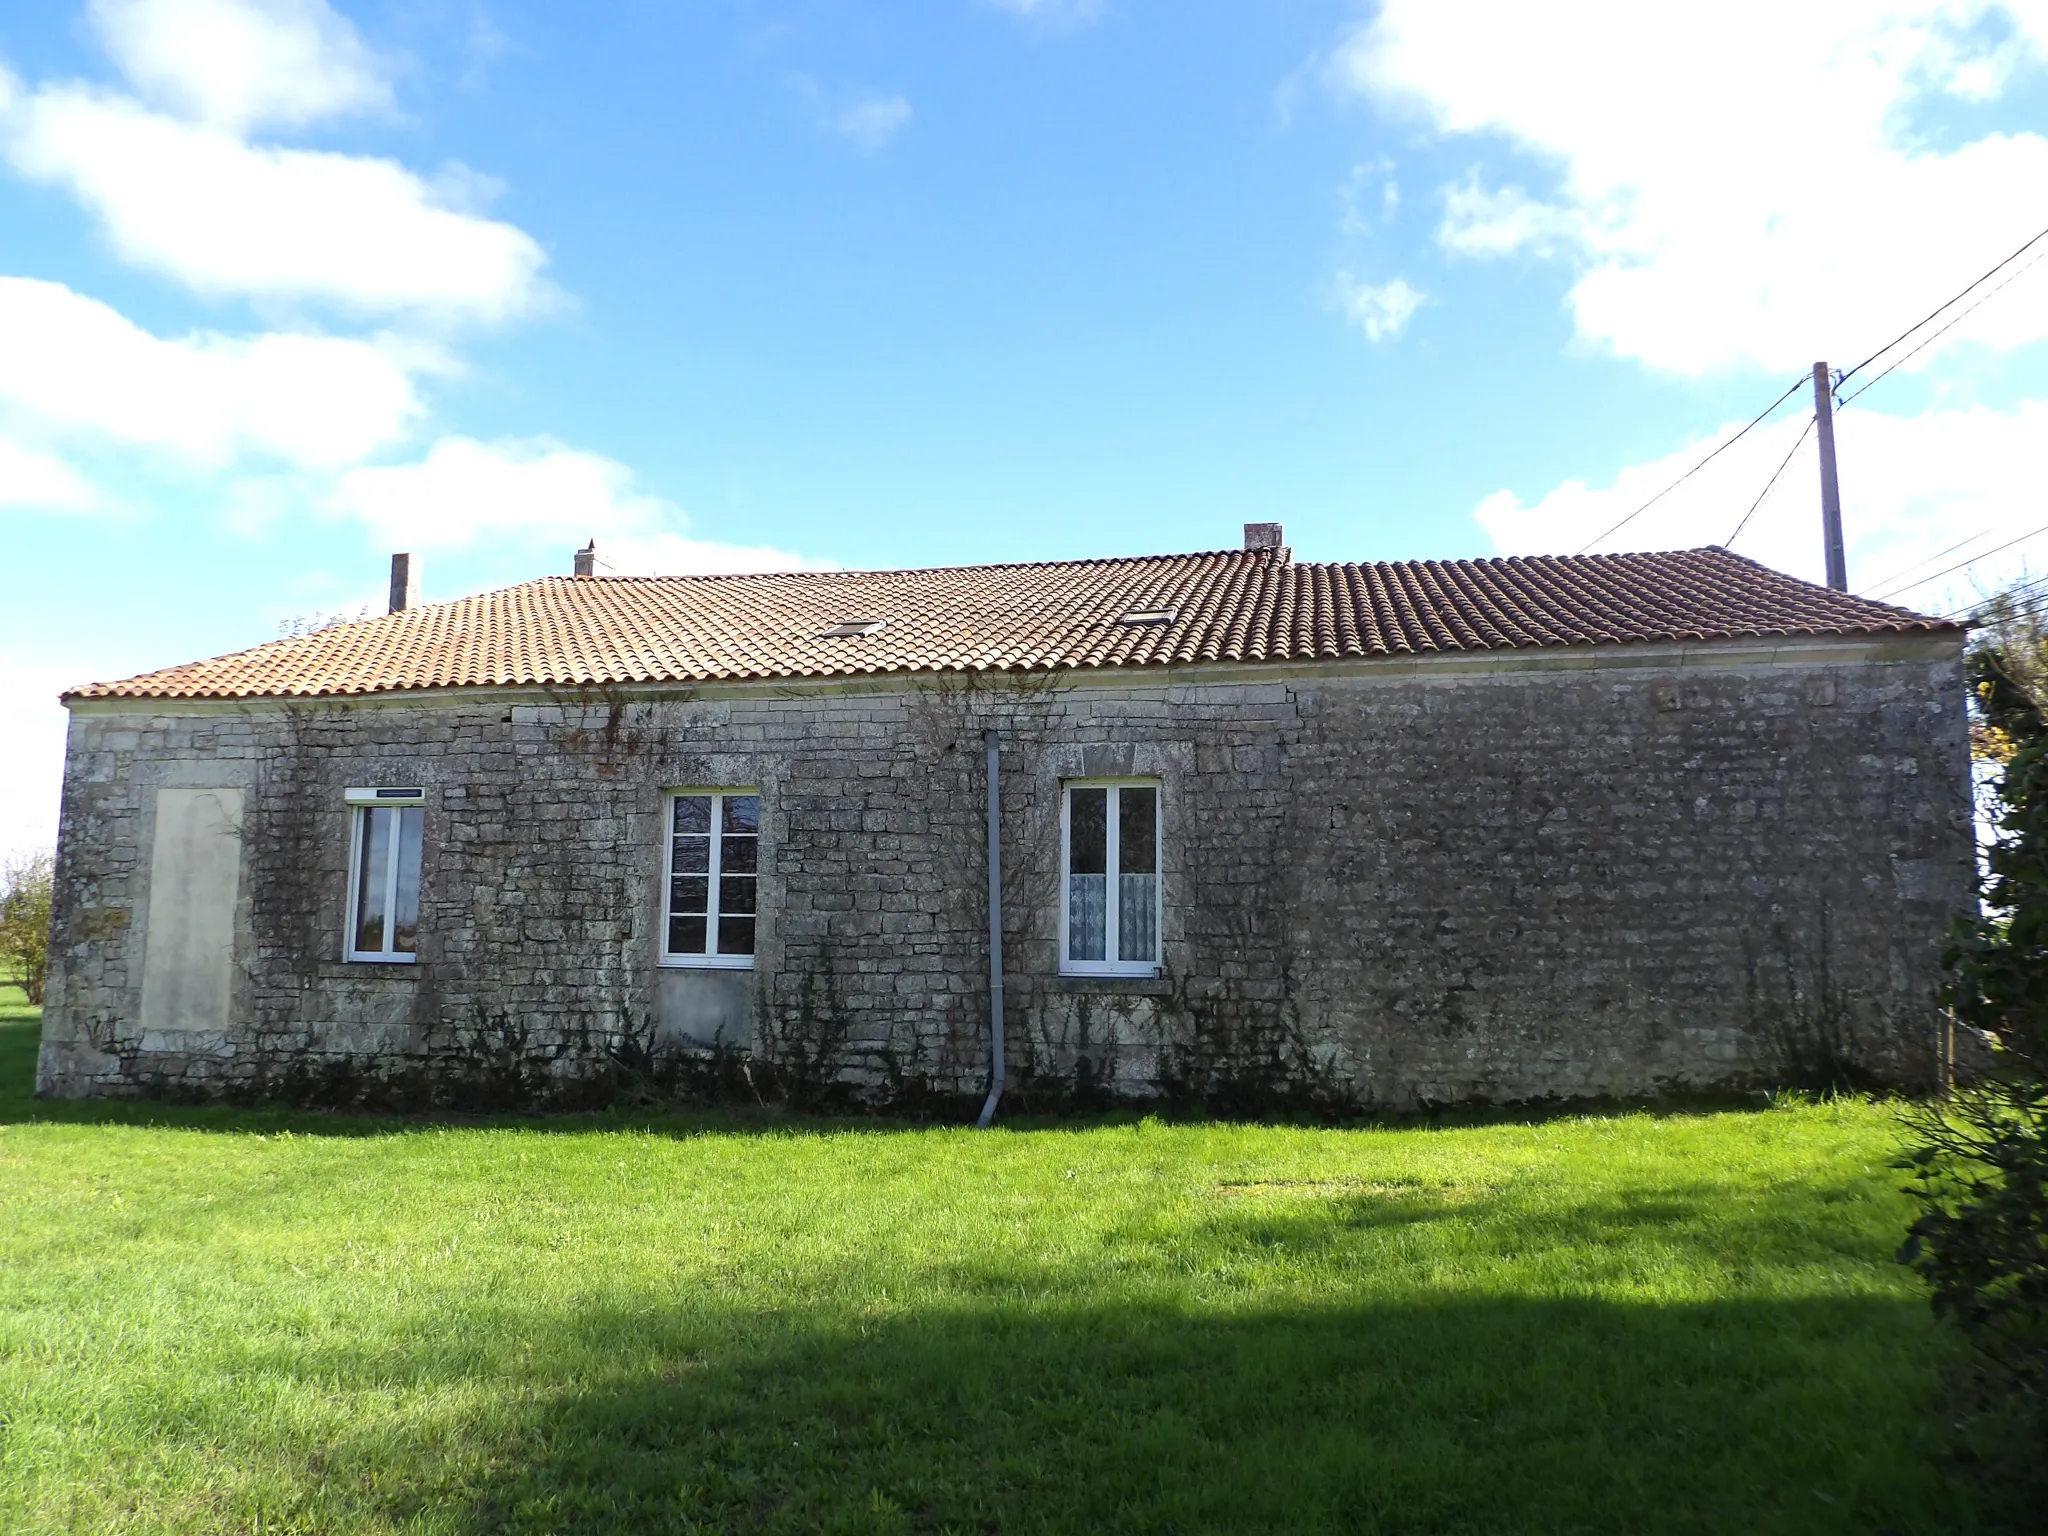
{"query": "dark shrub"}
(1981, 1156)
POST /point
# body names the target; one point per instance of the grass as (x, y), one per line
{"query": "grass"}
(219, 1321)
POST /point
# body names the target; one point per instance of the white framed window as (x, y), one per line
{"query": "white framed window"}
(1109, 878)
(387, 827)
(710, 897)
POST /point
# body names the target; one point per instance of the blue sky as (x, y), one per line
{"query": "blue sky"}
(740, 284)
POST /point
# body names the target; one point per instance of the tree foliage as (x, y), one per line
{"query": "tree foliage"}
(25, 890)
(1981, 1158)
(2009, 670)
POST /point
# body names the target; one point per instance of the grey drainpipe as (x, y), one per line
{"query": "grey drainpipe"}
(994, 742)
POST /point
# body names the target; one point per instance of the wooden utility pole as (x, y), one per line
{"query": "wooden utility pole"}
(1830, 491)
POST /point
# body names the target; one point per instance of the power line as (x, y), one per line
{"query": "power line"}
(1729, 542)
(1885, 581)
(1958, 320)
(2024, 592)
(1703, 463)
(1961, 564)
(1839, 380)
(1938, 309)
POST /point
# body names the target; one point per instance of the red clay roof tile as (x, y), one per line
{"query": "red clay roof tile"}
(1229, 606)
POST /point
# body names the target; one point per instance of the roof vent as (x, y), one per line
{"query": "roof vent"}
(851, 629)
(1264, 536)
(1142, 616)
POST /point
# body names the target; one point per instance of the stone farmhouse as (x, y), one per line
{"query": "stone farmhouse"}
(1223, 828)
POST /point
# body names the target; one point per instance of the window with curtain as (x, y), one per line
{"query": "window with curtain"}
(1109, 919)
(388, 830)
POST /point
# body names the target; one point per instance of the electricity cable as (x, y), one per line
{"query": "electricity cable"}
(2022, 593)
(1839, 380)
(1907, 570)
(1729, 542)
(1958, 320)
(1797, 384)
(1939, 309)
(1922, 581)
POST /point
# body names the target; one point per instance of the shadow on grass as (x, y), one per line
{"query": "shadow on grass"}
(1022, 1400)
(1439, 1415)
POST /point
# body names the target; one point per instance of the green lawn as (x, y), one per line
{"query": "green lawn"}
(230, 1322)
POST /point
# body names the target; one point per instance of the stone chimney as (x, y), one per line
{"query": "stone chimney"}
(1265, 536)
(405, 582)
(586, 559)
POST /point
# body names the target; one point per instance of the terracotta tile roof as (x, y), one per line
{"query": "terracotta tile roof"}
(1234, 606)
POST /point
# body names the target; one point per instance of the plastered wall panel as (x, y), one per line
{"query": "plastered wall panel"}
(195, 872)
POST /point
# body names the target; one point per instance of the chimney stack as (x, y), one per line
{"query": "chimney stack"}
(586, 559)
(1264, 536)
(405, 582)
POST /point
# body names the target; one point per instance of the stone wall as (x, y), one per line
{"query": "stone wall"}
(1552, 875)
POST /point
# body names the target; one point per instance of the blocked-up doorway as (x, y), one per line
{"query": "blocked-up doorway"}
(195, 873)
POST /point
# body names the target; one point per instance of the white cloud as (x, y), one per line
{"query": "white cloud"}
(867, 121)
(1912, 487)
(464, 490)
(39, 482)
(32, 724)
(228, 217)
(872, 123)
(77, 366)
(1378, 309)
(236, 64)
(1368, 197)
(533, 491)
(1056, 13)
(181, 189)
(1489, 221)
(1739, 184)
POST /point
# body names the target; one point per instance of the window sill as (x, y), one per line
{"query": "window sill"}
(705, 963)
(380, 959)
(1114, 986)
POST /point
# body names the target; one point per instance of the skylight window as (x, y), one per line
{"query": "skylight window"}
(851, 629)
(1139, 617)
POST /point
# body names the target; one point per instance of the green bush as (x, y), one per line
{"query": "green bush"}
(1981, 1158)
